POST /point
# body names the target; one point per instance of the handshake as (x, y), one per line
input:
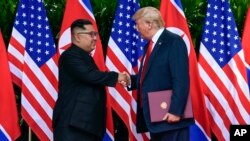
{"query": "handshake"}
(124, 79)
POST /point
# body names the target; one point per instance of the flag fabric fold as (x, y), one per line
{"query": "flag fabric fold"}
(125, 48)
(9, 122)
(246, 43)
(175, 21)
(33, 65)
(222, 70)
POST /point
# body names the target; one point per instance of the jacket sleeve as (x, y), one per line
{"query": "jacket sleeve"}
(179, 68)
(83, 68)
(133, 85)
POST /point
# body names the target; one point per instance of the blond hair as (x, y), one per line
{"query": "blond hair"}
(150, 15)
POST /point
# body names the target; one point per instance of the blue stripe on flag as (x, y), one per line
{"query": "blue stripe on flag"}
(2, 136)
(88, 4)
(178, 2)
(107, 137)
(248, 77)
(196, 134)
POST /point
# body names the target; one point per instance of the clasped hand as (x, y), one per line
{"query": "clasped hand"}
(124, 79)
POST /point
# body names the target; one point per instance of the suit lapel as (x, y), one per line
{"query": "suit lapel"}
(159, 44)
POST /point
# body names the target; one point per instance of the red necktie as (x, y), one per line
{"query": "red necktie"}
(146, 58)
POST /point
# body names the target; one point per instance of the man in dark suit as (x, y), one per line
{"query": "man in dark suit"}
(164, 67)
(79, 113)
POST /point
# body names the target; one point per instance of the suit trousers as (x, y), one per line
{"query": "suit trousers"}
(173, 135)
(73, 134)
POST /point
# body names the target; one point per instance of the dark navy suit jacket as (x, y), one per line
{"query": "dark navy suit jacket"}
(167, 68)
(82, 99)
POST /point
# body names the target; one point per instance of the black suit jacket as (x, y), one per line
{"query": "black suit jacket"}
(167, 69)
(81, 99)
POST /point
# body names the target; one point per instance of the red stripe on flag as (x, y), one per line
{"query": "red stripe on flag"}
(219, 107)
(33, 124)
(39, 86)
(17, 45)
(216, 128)
(125, 117)
(14, 61)
(225, 93)
(52, 78)
(36, 105)
(116, 61)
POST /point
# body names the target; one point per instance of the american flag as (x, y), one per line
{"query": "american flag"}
(33, 65)
(222, 70)
(125, 48)
(175, 21)
(9, 122)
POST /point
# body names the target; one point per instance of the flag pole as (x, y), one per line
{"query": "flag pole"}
(30, 136)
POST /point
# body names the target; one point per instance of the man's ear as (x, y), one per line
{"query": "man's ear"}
(76, 37)
(150, 25)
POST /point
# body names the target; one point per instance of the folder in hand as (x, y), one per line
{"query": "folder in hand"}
(159, 103)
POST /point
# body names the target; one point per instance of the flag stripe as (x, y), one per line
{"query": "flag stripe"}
(87, 9)
(220, 105)
(219, 126)
(4, 136)
(40, 126)
(226, 85)
(32, 86)
(15, 70)
(118, 64)
(14, 74)
(125, 114)
(36, 105)
(41, 81)
(48, 69)
(220, 91)
(126, 95)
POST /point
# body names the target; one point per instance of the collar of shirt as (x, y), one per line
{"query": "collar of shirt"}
(156, 36)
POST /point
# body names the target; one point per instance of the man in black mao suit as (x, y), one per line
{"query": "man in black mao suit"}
(79, 113)
(167, 68)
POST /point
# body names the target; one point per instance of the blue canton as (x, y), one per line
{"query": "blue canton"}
(124, 32)
(32, 23)
(220, 32)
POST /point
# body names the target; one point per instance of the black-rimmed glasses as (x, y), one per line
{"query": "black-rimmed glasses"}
(91, 33)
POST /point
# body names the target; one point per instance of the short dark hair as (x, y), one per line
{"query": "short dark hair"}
(80, 23)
